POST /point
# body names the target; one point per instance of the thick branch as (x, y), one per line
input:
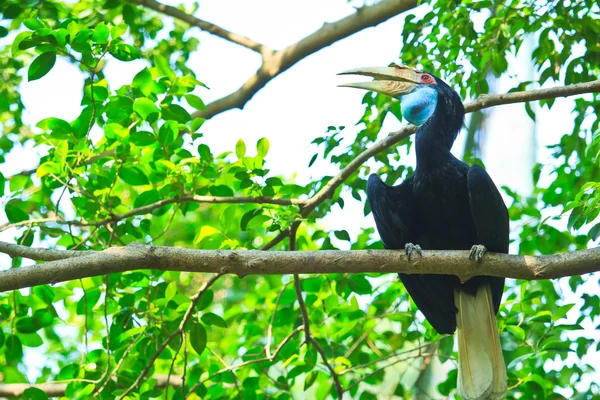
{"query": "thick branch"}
(121, 259)
(204, 25)
(487, 101)
(274, 63)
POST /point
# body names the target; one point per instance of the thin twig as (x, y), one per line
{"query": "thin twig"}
(270, 328)
(186, 317)
(259, 360)
(309, 339)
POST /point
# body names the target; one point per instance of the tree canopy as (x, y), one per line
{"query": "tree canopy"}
(134, 169)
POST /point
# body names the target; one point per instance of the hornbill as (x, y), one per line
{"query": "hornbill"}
(444, 205)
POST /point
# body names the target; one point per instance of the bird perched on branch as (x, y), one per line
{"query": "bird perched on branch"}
(444, 205)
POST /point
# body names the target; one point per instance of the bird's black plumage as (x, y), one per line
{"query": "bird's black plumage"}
(444, 205)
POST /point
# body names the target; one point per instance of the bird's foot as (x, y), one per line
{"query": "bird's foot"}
(412, 248)
(477, 252)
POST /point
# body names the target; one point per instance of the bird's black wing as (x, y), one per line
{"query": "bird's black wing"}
(395, 209)
(491, 220)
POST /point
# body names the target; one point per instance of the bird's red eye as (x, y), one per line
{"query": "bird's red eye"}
(427, 79)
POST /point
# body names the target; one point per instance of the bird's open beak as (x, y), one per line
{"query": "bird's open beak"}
(392, 81)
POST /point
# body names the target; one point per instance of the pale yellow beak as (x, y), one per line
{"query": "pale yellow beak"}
(392, 81)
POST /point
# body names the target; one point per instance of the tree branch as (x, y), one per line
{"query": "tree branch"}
(241, 263)
(58, 389)
(276, 62)
(188, 198)
(482, 102)
(204, 25)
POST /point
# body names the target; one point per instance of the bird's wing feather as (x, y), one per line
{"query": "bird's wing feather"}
(392, 207)
(394, 210)
(491, 220)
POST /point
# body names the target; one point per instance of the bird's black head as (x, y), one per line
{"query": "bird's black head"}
(424, 98)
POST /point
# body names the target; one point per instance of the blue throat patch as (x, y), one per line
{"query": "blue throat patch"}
(419, 105)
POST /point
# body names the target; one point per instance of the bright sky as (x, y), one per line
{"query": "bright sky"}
(300, 104)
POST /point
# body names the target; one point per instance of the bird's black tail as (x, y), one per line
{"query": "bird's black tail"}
(481, 368)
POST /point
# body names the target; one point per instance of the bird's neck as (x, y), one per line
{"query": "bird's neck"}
(434, 140)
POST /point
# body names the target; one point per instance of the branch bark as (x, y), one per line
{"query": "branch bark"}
(202, 24)
(242, 263)
(187, 198)
(276, 62)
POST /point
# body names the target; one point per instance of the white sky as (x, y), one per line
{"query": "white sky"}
(300, 104)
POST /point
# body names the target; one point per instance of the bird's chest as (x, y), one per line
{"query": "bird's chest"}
(444, 219)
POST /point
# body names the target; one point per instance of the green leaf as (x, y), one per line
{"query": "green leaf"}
(115, 131)
(14, 349)
(59, 128)
(517, 331)
(87, 302)
(124, 52)
(145, 107)
(33, 393)
(205, 153)
(16, 44)
(196, 124)
(240, 149)
(142, 138)
(205, 300)
(197, 337)
(133, 176)
(262, 147)
(214, 319)
(143, 81)
(33, 24)
(31, 339)
(48, 168)
(2, 184)
(26, 325)
(41, 65)
(171, 290)
(15, 214)
(594, 233)
(257, 221)
(446, 347)
(177, 113)
(195, 101)
(205, 232)
(147, 197)
(562, 311)
(69, 371)
(221, 191)
(168, 132)
(342, 235)
(359, 284)
(101, 33)
(163, 67)
(42, 318)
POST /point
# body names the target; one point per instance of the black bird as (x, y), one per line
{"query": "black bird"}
(444, 205)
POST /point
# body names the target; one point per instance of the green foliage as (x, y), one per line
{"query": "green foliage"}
(130, 167)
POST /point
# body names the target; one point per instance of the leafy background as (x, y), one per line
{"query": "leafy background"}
(141, 142)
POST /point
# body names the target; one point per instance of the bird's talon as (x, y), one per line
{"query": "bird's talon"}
(412, 248)
(477, 252)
